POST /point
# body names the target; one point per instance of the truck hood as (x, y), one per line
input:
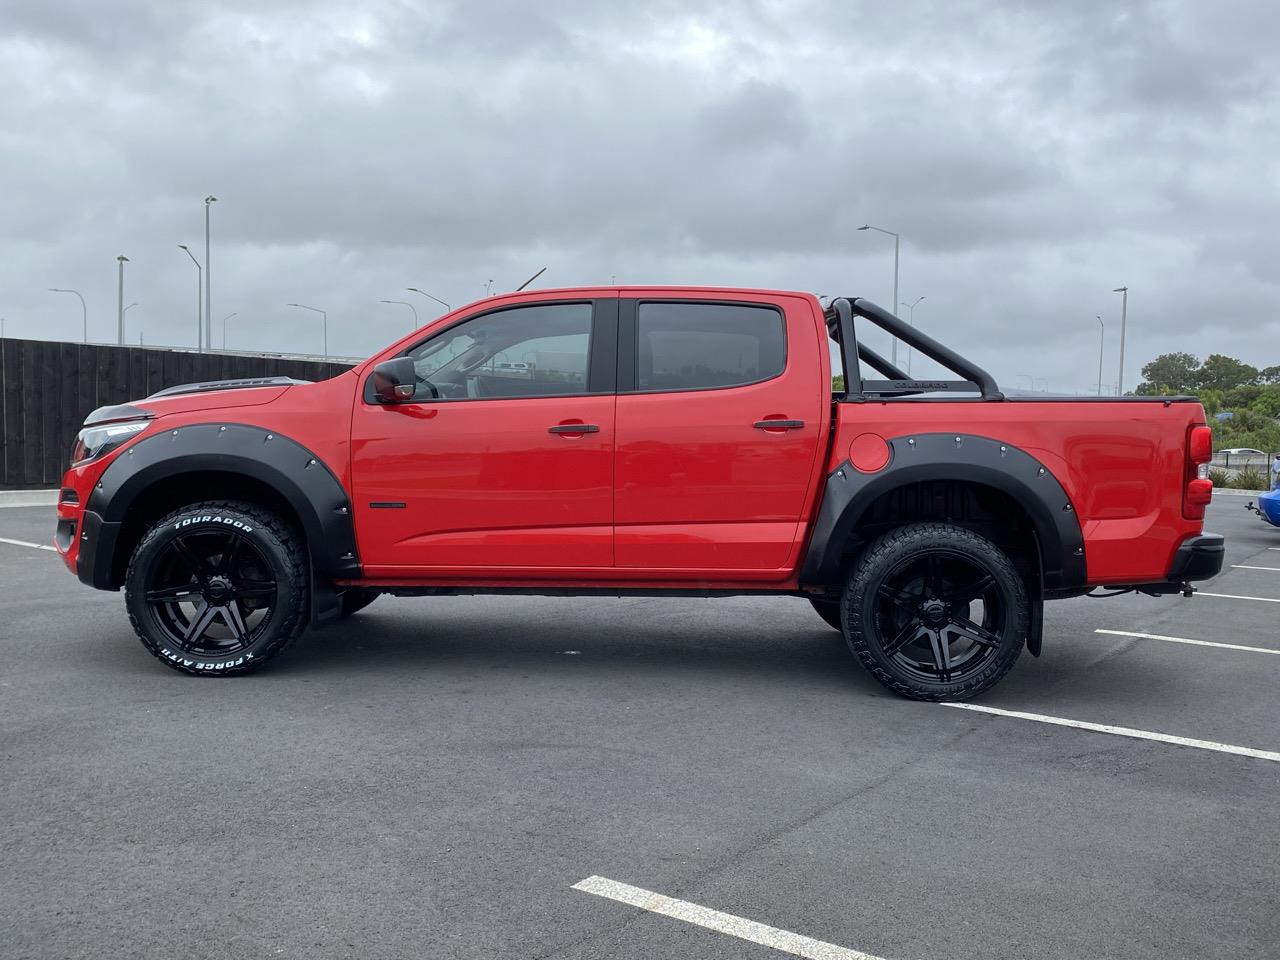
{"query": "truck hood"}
(188, 397)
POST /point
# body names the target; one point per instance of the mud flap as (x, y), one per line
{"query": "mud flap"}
(326, 602)
(1035, 629)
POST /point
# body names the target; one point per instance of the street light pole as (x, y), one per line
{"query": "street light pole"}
(911, 319)
(324, 316)
(429, 297)
(224, 328)
(84, 311)
(199, 302)
(122, 260)
(896, 243)
(406, 303)
(208, 298)
(1124, 312)
(1102, 340)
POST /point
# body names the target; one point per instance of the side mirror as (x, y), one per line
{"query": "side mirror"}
(394, 381)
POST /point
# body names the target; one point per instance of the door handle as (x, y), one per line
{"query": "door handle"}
(572, 428)
(778, 424)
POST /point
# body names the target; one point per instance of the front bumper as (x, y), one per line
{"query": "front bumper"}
(96, 545)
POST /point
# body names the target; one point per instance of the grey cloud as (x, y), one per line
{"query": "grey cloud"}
(1033, 156)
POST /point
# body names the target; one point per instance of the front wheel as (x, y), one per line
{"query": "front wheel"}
(935, 612)
(218, 588)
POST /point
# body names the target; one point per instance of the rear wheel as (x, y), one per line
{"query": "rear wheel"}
(936, 612)
(218, 588)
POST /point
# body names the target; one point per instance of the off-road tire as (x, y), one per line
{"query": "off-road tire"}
(272, 539)
(882, 556)
(828, 610)
(355, 599)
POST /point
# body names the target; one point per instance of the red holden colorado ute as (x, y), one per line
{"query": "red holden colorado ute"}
(640, 441)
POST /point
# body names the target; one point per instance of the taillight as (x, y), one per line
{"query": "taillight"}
(1199, 488)
(1200, 445)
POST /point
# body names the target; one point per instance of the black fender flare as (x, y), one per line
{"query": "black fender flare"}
(949, 456)
(298, 475)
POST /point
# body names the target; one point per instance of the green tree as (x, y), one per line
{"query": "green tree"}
(1244, 396)
(1178, 372)
(1269, 375)
(1220, 372)
(1267, 403)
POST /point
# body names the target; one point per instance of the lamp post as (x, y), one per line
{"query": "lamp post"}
(199, 301)
(406, 303)
(1124, 311)
(896, 242)
(84, 311)
(911, 319)
(121, 260)
(1102, 339)
(126, 312)
(224, 328)
(208, 298)
(429, 297)
(324, 317)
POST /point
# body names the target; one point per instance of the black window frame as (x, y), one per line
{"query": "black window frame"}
(602, 350)
(629, 342)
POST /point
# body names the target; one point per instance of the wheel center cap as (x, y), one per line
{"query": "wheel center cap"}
(218, 588)
(934, 612)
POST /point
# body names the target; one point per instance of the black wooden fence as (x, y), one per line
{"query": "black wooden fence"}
(47, 389)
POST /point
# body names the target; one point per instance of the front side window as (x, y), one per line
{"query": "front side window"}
(535, 351)
(698, 346)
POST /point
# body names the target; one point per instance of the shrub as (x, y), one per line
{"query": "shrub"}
(1220, 477)
(1250, 479)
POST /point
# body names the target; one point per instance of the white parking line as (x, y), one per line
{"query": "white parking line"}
(1198, 643)
(1245, 566)
(1233, 596)
(1124, 732)
(24, 543)
(725, 923)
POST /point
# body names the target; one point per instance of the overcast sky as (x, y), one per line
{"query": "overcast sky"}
(1032, 155)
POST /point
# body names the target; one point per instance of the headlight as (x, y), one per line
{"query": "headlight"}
(93, 442)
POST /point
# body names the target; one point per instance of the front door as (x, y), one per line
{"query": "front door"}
(720, 409)
(502, 463)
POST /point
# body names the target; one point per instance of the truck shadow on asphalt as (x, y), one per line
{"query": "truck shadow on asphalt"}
(670, 645)
(390, 641)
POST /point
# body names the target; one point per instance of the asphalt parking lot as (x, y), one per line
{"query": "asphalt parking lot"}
(433, 777)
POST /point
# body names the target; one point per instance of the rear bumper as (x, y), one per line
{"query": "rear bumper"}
(1197, 558)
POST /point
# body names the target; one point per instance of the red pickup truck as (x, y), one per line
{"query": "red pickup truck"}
(640, 440)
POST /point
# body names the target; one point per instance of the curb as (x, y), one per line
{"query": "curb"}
(28, 498)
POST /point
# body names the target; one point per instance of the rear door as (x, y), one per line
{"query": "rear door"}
(720, 410)
(502, 463)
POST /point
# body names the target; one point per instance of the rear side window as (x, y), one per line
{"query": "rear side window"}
(698, 346)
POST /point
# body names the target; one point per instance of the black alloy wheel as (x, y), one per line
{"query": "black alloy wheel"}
(211, 592)
(940, 614)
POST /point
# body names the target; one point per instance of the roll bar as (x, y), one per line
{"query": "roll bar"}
(840, 318)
